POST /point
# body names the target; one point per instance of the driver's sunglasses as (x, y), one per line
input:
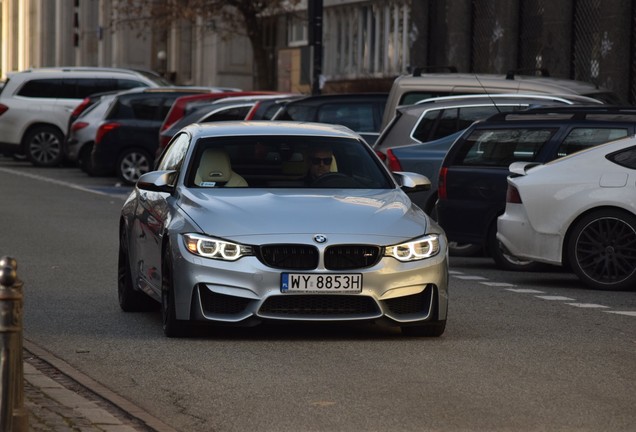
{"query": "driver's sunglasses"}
(317, 160)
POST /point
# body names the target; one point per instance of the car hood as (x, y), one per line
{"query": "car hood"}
(250, 215)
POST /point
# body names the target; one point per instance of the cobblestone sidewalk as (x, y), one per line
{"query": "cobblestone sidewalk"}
(59, 398)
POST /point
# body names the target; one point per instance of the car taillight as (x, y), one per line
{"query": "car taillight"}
(394, 163)
(81, 107)
(441, 185)
(103, 130)
(78, 125)
(381, 155)
(512, 195)
(3, 109)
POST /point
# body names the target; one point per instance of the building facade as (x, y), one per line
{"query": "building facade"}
(365, 43)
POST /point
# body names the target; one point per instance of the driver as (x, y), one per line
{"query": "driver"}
(320, 160)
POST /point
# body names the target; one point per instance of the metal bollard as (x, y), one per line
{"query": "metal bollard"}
(13, 415)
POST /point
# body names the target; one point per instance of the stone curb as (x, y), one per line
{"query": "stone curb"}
(79, 405)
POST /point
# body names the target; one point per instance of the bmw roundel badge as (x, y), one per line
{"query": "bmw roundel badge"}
(319, 238)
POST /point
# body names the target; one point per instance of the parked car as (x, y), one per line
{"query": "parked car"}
(266, 109)
(578, 212)
(419, 135)
(472, 179)
(225, 109)
(185, 104)
(80, 137)
(229, 231)
(411, 88)
(360, 112)
(35, 105)
(126, 138)
(88, 101)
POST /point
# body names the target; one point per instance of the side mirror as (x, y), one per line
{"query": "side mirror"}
(412, 182)
(157, 181)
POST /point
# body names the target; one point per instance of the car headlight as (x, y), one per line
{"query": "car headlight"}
(209, 247)
(414, 250)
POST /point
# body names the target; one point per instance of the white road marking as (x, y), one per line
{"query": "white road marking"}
(485, 281)
(524, 291)
(588, 305)
(58, 182)
(468, 277)
(628, 313)
(556, 298)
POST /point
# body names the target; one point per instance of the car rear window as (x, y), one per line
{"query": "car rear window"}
(501, 147)
(410, 98)
(227, 114)
(356, 116)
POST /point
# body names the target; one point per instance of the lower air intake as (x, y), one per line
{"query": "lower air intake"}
(319, 305)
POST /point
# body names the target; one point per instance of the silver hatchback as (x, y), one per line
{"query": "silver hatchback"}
(245, 222)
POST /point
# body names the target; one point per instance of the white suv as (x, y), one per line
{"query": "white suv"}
(36, 104)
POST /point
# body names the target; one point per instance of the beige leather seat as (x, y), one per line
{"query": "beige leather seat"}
(215, 170)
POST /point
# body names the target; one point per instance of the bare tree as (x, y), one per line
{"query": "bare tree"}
(239, 17)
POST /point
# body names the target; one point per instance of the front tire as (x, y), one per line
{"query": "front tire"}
(601, 250)
(172, 327)
(43, 146)
(130, 300)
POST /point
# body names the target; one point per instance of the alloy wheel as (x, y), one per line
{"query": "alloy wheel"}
(605, 251)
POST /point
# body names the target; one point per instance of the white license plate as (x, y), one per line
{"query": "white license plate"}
(321, 283)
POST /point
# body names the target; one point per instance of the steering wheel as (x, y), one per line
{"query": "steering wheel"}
(335, 180)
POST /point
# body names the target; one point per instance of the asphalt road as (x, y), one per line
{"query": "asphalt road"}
(522, 351)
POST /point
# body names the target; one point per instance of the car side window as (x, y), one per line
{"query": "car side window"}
(434, 126)
(49, 88)
(465, 116)
(626, 157)
(582, 138)
(501, 147)
(422, 131)
(456, 119)
(175, 154)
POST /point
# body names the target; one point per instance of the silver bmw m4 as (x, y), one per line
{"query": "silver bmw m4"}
(245, 222)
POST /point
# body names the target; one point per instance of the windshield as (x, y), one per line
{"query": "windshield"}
(158, 79)
(286, 162)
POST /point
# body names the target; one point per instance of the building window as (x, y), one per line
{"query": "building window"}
(296, 31)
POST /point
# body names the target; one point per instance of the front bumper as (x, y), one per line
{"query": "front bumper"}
(247, 291)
